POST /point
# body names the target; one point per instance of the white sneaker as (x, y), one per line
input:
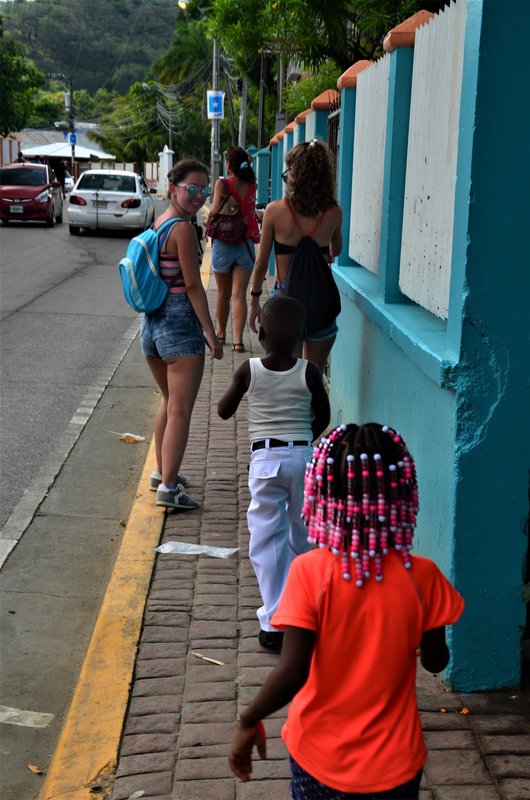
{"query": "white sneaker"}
(175, 498)
(156, 480)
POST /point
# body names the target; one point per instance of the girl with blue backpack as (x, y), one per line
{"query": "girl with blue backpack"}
(173, 336)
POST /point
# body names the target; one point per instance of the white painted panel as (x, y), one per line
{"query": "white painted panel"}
(368, 164)
(425, 267)
(297, 136)
(310, 126)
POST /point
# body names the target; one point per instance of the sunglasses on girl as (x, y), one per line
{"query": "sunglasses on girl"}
(193, 189)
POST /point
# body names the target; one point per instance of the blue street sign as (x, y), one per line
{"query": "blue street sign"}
(215, 104)
(72, 138)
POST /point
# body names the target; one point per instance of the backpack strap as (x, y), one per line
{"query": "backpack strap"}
(315, 226)
(165, 229)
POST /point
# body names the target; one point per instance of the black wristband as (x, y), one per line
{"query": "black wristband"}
(256, 294)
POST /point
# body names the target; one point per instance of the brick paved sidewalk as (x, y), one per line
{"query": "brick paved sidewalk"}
(183, 709)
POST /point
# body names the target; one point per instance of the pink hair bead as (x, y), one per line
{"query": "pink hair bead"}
(384, 540)
(346, 568)
(372, 532)
(366, 564)
(358, 572)
(365, 475)
(378, 568)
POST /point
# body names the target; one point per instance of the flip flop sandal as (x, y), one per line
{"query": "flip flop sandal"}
(222, 339)
(239, 347)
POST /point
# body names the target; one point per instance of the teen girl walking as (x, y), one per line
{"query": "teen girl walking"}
(173, 337)
(309, 208)
(232, 263)
(355, 610)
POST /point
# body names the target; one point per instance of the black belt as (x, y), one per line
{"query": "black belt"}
(262, 443)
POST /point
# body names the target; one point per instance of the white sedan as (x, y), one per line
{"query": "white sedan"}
(107, 198)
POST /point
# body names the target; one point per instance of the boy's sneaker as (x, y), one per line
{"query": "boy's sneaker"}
(156, 480)
(175, 498)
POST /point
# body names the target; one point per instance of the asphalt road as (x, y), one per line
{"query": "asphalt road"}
(71, 376)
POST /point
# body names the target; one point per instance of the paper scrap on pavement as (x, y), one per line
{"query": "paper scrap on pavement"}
(206, 658)
(29, 719)
(133, 438)
(189, 549)
(35, 769)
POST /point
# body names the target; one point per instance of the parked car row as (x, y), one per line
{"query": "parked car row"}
(108, 199)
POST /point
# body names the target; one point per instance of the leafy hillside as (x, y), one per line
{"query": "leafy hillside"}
(101, 43)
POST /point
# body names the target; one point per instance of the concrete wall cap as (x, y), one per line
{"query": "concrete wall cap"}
(280, 135)
(404, 35)
(348, 79)
(274, 140)
(324, 100)
(290, 127)
(301, 117)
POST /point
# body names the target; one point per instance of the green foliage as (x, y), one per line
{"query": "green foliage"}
(298, 96)
(90, 107)
(310, 31)
(48, 108)
(102, 43)
(18, 86)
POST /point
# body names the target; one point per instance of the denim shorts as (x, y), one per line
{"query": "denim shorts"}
(305, 787)
(172, 331)
(226, 256)
(315, 336)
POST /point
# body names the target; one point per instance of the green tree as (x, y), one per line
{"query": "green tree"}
(310, 31)
(298, 96)
(18, 87)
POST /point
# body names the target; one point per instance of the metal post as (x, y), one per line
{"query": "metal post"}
(243, 114)
(216, 123)
(280, 113)
(71, 125)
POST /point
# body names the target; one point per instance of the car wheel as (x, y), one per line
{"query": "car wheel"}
(50, 222)
(74, 230)
(5, 222)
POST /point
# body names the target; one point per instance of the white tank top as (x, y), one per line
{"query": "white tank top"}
(279, 403)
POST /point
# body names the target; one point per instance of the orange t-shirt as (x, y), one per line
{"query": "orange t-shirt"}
(355, 724)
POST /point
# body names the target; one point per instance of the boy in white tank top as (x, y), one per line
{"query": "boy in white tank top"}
(287, 409)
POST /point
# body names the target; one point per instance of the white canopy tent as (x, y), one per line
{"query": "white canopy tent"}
(64, 150)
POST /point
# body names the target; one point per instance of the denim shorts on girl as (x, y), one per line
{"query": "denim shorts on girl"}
(315, 336)
(305, 787)
(172, 331)
(227, 256)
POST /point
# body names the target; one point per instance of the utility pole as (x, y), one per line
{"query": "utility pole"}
(69, 105)
(264, 71)
(243, 113)
(280, 113)
(216, 123)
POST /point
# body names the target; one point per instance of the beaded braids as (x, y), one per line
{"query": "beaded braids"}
(361, 497)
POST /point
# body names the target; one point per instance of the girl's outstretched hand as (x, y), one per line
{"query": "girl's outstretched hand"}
(240, 758)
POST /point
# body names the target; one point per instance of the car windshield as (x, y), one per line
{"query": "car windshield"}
(22, 176)
(107, 183)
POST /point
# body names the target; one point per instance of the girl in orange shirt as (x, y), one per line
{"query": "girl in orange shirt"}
(355, 610)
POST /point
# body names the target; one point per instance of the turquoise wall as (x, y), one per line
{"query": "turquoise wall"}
(459, 392)
(373, 380)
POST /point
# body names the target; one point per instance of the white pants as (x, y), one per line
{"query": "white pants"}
(277, 533)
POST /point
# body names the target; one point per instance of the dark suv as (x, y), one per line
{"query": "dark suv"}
(30, 192)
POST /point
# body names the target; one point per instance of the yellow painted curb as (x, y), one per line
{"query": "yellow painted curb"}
(87, 751)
